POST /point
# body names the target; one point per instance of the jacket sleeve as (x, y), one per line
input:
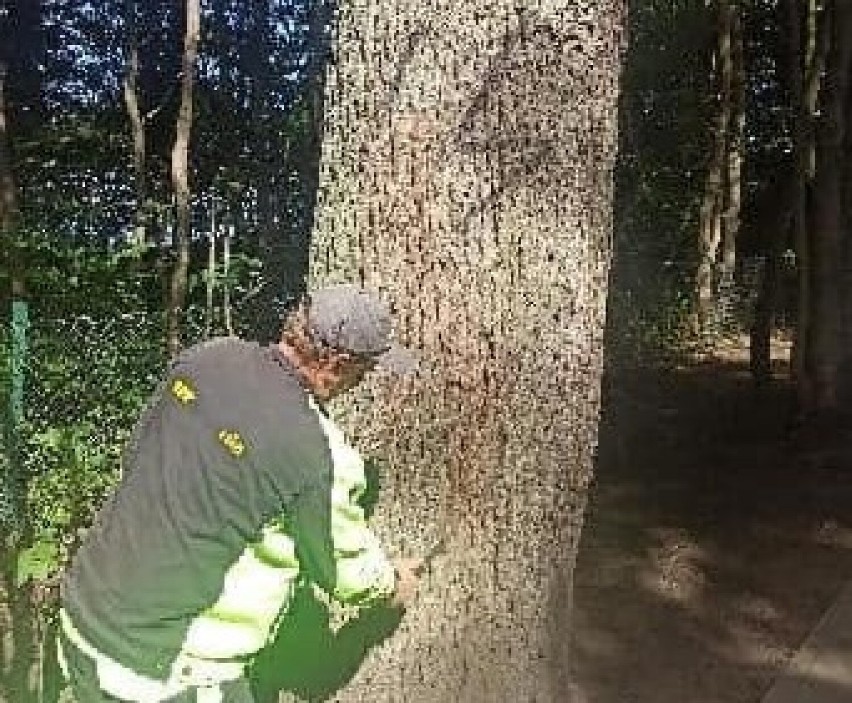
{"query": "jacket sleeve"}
(336, 546)
(310, 521)
(364, 573)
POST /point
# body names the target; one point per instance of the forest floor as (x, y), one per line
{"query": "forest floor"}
(714, 540)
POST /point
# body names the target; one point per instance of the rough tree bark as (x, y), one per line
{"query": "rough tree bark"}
(467, 174)
(180, 180)
(732, 204)
(710, 229)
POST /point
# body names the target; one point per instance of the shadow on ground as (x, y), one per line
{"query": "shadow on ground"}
(714, 539)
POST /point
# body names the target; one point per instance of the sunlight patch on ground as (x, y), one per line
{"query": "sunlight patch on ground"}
(832, 533)
(675, 568)
(736, 350)
(749, 632)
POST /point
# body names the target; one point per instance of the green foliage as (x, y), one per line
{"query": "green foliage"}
(82, 469)
(38, 562)
(95, 354)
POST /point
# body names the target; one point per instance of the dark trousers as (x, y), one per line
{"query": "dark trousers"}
(83, 678)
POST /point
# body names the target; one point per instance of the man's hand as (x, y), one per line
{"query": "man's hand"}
(407, 581)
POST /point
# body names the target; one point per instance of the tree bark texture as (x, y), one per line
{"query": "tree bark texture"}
(824, 334)
(733, 185)
(180, 180)
(467, 175)
(710, 235)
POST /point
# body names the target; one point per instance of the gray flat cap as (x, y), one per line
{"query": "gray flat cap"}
(352, 319)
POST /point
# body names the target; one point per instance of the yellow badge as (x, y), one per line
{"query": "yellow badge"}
(233, 442)
(183, 390)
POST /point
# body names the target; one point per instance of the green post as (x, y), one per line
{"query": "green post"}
(12, 500)
(20, 327)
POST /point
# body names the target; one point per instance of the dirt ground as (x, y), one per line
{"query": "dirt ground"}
(714, 541)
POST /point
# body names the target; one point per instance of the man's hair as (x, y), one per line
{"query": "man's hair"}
(295, 334)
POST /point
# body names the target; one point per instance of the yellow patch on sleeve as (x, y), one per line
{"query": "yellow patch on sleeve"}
(232, 441)
(182, 390)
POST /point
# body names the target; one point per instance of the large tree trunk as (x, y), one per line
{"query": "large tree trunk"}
(467, 174)
(823, 334)
(180, 181)
(710, 230)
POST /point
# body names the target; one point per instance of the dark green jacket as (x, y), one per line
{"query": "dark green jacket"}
(234, 483)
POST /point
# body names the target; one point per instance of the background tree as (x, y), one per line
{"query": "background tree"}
(821, 338)
(662, 160)
(712, 229)
(180, 179)
(137, 126)
(473, 187)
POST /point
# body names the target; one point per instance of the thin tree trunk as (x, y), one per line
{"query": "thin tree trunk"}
(211, 273)
(467, 175)
(710, 224)
(17, 641)
(137, 127)
(226, 268)
(816, 47)
(8, 189)
(180, 181)
(846, 288)
(11, 490)
(735, 138)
